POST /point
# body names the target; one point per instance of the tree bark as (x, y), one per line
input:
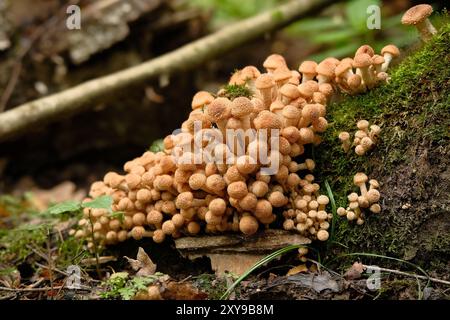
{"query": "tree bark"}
(87, 94)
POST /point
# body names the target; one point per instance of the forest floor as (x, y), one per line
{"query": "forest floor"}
(411, 234)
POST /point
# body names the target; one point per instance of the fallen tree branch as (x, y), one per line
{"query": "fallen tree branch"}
(87, 94)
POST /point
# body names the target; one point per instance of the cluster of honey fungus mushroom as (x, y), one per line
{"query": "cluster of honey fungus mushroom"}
(161, 196)
(365, 138)
(368, 199)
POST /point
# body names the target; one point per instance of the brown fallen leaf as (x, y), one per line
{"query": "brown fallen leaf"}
(355, 271)
(181, 291)
(297, 269)
(142, 264)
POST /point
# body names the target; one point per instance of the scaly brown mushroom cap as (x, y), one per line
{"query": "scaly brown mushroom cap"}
(359, 178)
(290, 90)
(248, 225)
(264, 81)
(267, 120)
(274, 61)
(200, 99)
(365, 49)
(391, 49)
(326, 68)
(308, 67)
(219, 109)
(241, 107)
(362, 60)
(417, 14)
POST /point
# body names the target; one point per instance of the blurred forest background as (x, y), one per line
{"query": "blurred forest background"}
(39, 56)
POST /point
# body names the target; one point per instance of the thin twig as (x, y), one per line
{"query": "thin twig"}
(88, 94)
(17, 67)
(411, 275)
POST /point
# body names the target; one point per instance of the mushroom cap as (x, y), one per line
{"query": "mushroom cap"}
(311, 112)
(352, 197)
(377, 59)
(274, 61)
(391, 49)
(326, 68)
(307, 89)
(282, 73)
(277, 199)
(277, 105)
(237, 189)
(362, 125)
(197, 180)
(326, 89)
(365, 49)
(290, 90)
(343, 136)
(308, 67)
(366, 143)
(215, 182)
(241, 107)
(343, 67)
(248, 225)
(249, 73)
(362, 60)
(359, 178)
(267, 120)
(322, 199)
(374, 183)
(219, 109)
(291, 112)
(264, 81)
(373, 195)
(417, 14)
(200, 99)
(217, 206)
(354, 81)
(322, 235)
(375, 208)
(263, 209)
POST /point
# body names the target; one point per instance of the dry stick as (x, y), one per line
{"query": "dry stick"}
(17, 68)
(85, 95)
(411, 275)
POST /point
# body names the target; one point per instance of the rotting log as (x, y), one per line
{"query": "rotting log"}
(237, 253)
(87, 94)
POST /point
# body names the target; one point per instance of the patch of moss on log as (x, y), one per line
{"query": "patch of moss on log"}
(411, 161)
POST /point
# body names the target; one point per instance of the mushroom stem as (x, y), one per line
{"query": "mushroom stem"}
(387, 60)
(426, 30)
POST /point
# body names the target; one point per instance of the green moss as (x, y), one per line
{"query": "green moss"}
(233, 91)
(413, 109)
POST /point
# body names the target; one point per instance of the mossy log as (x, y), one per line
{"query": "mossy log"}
(411, 162)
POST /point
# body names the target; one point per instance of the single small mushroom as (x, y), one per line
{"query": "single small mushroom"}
(308, 70)
(389, 52)
(363, 62)
(418, 17)
(360, 180)
(345, 139)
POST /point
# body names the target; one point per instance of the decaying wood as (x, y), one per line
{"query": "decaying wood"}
(88, 94)
(236, 253)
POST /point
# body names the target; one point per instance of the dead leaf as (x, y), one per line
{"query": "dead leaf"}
(143, 265)
(355, 271)
(182, 291)
(297, 269)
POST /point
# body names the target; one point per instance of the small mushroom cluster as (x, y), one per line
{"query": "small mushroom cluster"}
(365, 139)
(367, 200)
(176, 192)
(366, 70)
